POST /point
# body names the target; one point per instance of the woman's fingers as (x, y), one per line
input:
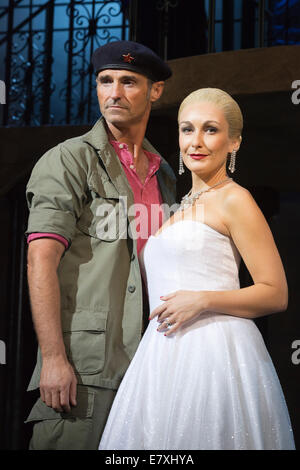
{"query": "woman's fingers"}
(158, 311)
(172, 330)
(168, 296)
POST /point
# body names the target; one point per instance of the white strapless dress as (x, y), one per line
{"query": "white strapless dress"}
(212, 384)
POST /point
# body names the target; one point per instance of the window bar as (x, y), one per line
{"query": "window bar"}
(248, 24)
(23, 23)
(47, 71)
(70, 62)
(286, 22)
(211, 25)
(228, 25)
(85, 80)
(123, 23)
(261, 22)
(7, 9)
(91, 89)
(29, 98)
(133, 14)
(10, 22)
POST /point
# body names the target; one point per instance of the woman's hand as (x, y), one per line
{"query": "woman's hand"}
(178, 308)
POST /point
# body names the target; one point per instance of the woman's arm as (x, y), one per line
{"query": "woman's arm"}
(253, 238)
(254, 241)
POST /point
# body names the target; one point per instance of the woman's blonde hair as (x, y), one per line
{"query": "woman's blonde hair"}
(229, 106)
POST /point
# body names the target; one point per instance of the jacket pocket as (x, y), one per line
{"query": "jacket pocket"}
(102, 186)
(83, 409)
(84, 335)
(104, 216)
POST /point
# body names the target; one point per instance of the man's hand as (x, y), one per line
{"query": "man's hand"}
(58, 384)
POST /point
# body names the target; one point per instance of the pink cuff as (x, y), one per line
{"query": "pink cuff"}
(34, 236)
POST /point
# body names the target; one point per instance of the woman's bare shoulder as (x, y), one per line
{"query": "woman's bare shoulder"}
(239, 206)
(236, 195)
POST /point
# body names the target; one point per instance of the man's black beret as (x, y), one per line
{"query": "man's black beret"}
(133, 56)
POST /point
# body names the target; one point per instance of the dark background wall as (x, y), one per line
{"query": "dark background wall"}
(258, 69)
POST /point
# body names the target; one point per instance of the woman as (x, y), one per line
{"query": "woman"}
(202, 377)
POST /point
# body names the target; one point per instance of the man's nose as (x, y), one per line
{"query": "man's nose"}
(116, 90)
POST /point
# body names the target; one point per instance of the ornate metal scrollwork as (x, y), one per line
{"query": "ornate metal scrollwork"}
(92, 28)
(45, 73)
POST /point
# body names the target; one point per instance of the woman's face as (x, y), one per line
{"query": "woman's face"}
(203, 138)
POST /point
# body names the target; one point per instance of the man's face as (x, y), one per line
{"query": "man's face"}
(124, 97)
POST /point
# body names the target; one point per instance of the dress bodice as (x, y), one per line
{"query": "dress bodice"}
(189, 255)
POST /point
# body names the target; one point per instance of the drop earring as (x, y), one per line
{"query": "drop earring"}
(231, 166)
(181, 168)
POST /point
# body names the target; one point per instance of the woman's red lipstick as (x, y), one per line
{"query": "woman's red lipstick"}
(197, 156)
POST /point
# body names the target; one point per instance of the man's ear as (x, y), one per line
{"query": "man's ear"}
(156, 91)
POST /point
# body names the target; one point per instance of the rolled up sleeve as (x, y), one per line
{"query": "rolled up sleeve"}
(55, 193)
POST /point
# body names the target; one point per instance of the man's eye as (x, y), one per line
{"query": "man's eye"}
(103, 81)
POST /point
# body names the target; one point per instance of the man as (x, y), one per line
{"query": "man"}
(83, 271)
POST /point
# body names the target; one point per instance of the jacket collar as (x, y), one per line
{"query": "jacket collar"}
(97, 137)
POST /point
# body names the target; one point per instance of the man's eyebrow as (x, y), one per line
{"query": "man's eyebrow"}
(104, 77)
(131, 77)
(123, 77)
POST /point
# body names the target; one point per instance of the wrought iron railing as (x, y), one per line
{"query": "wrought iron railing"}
(46, 46)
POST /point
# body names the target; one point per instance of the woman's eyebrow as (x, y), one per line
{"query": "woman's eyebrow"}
(206, 122)
(211, 120)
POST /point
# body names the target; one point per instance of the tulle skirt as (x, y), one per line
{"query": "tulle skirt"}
(210, 386)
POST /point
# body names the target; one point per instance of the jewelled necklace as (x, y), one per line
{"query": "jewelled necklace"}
(188, 200)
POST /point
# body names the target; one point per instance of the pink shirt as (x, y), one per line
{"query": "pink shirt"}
(147, 198)
(34, 236)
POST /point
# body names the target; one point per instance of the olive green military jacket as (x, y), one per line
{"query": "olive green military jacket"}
(80, 191)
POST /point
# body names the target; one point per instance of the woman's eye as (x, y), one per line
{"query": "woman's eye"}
(211, 130)
(186, 130)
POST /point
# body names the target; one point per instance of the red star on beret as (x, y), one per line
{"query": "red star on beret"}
(128, 58)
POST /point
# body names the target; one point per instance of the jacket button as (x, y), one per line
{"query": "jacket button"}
(131, 289)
